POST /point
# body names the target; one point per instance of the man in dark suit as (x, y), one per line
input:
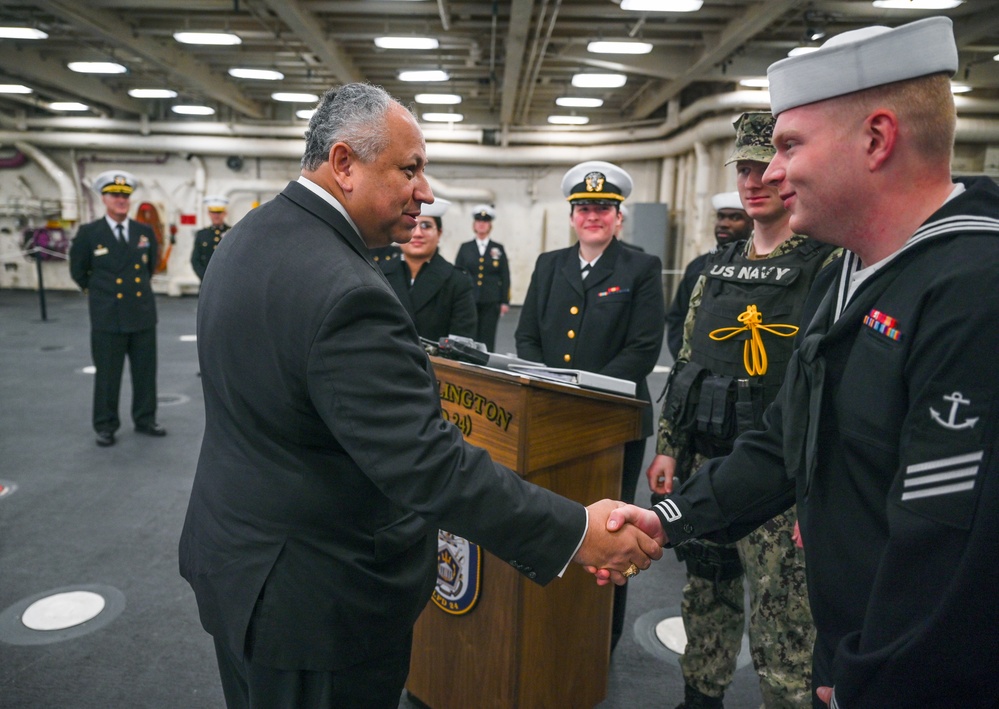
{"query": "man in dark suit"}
(486, 260)
(731, 224)
(326, 468)
(112, 260)
(437, 295)
(598, 306)
(207, 240)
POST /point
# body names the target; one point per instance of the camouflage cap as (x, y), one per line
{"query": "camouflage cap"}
(754, 134)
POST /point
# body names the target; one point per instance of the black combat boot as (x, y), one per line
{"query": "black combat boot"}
(693, 699)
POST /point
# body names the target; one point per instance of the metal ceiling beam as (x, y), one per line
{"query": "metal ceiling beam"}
(35, 68)
(308, 28)
(115, 30)
(755, 19)
(521, 12)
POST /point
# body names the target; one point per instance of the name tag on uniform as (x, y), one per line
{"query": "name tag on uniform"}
(101, 251)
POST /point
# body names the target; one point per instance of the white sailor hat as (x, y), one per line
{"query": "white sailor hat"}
(483, 213)
(436, 209)
(861, 59)
(115, 182)
(726, 200)
(216, 204)
(596, 182)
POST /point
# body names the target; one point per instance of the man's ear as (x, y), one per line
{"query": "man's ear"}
(881, 129)
(342, 164)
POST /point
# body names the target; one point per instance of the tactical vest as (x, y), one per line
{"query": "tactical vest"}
(742, 341)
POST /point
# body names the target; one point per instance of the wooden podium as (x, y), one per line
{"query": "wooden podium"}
(523, 645)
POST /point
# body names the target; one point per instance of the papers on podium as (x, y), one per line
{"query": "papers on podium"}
(579, 377)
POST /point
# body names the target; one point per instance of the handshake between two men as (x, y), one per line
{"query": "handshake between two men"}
(620, 541)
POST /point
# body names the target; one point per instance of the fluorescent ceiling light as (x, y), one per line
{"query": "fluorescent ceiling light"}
(97, 67)
(599, 81)
(661, 5)
(262, 74)
(213, 38)
(619, 47)
(406, 42)
(439, 99)
(21, 33)
(798, 51)
(291, 97)
(305, 113)
(424, 75)
(443, 117)
(569, 120)
(917, 4)
(68, 106)
(755, 83)
(956, 88)
(152, 93)
(193, 110)
(577, 102)
(14, 89)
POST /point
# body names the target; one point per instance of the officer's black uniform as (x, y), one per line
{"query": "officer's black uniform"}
(491, 280)
(205, 242)
(116, 277)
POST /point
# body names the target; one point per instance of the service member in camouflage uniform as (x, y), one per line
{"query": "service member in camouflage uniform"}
(738, 338)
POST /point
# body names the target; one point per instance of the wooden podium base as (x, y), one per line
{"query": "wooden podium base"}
(523, 645)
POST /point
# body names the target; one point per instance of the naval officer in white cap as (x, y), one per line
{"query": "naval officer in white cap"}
(112, 260)
(598, 306)
(887, 425)
(486, 260)
(207, 240)
(437, 295)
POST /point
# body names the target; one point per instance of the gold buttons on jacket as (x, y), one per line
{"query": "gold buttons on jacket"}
(567, 357)
(138, 280)
(120, 296)
(138, 294)
(574, 310)
(571, 334)
(137, 267)
(118, 281)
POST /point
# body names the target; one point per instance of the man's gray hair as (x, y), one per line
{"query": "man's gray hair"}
(351, 114)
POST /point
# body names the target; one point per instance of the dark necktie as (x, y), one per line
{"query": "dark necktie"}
(121, 234)
(586, 271)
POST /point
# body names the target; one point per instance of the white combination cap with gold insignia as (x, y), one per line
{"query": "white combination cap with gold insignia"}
(483, 213)
(596, 182)
(115, 182)
(216, 203)
(436, 209)
(861, 59)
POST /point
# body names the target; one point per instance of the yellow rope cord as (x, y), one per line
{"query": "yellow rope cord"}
(754, 354)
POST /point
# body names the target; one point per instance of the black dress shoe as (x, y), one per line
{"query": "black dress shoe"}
(152, 430)
(105, 439)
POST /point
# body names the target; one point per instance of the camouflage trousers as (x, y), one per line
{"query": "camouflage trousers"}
(781, 632)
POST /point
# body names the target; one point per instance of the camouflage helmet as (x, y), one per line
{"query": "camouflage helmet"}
(754, 134)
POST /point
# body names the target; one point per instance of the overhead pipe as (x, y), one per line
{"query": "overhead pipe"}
(978, 130)
(68, 195)
(735, 101)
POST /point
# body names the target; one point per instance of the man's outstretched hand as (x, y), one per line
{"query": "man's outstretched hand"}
(624, 517)
(614, 548)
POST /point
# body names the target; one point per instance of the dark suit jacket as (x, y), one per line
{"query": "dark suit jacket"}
(440, 301)
(326, 467)
(611, 323)
(116, 276)
(490, 273)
